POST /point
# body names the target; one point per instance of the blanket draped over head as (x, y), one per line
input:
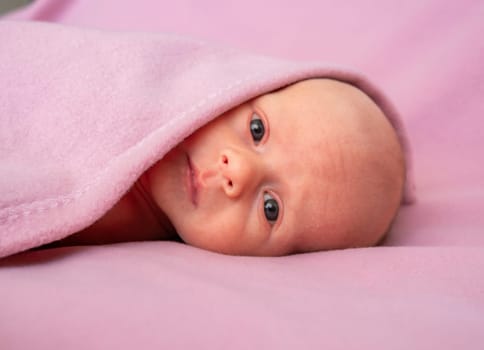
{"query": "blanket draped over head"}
(83, 113)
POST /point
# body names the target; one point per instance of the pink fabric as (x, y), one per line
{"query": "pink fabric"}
(423, 289)
(94, 110)
(164, 295)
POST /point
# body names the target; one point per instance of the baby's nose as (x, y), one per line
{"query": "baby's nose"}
(239, 171)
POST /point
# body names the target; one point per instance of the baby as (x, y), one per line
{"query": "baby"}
(313, 166)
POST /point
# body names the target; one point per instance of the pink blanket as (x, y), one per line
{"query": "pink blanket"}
(423, 289)
(82, 121)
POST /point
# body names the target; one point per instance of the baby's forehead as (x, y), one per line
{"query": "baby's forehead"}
(315, 114)
(305, 213)
(325, 124)
(317, 105)
(316, 180)
(323, 193)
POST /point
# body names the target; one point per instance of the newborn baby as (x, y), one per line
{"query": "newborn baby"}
(313, 166)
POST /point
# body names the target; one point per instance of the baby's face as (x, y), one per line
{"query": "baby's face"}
(285, 172)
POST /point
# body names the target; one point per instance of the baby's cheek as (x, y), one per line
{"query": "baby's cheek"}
(219, 237)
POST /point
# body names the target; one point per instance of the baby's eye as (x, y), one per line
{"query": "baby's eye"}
(257, 129)
(271, 208)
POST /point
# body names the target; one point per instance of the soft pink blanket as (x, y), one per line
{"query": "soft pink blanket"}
(424, 289)
(83, 113)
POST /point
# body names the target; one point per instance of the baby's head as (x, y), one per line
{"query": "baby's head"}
(313, 166)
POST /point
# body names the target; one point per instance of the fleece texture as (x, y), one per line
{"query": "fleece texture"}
(423, 288)
(84, 113)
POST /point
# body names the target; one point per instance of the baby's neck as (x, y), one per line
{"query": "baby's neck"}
(150, 212)
(134, 218)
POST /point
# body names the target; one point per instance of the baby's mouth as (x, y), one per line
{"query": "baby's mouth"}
(192, 181)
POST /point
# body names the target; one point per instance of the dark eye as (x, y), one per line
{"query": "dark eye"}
(271, 208)
(257, 129)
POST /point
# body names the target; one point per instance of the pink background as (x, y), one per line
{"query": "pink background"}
(428, 55)
(423, 289)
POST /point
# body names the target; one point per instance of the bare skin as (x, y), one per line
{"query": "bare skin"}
(313, 166)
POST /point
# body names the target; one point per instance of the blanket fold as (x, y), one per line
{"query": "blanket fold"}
(83, 113)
